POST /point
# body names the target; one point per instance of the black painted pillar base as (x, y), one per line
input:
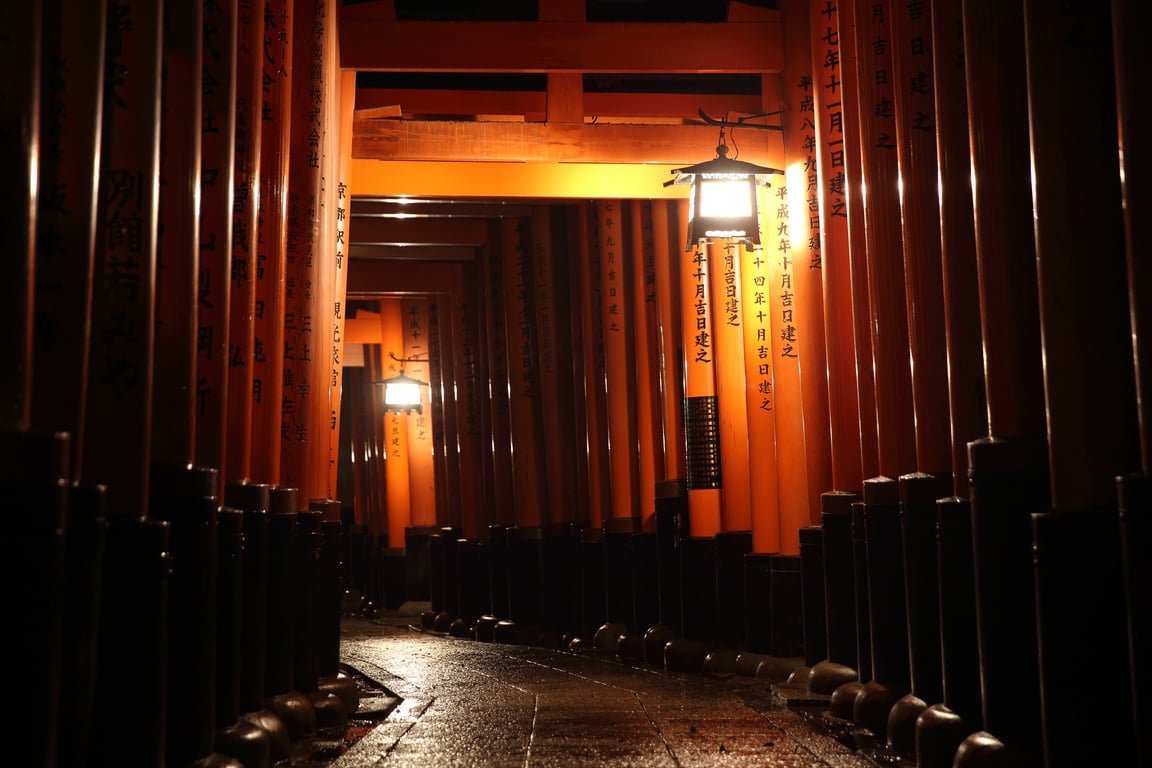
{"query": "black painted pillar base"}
(593, 598)
(646, 579)
(185, 497)
(306, 659)
(787, 609)
(1009, 481)
(280, 631)
(561, 581)
(671, 529)
(731, 603)
(229, 613)
(85, 540)
(840, 666)
(498, 570)
(1080, 585)
(812, 595)
(131, 673)
(860, 587)
(619, 571)
(758, 601)
(331, 593)
(418, 563)
(698, 588)
(473, 581)
(525, 575)
(1135, 492)
(33, 472)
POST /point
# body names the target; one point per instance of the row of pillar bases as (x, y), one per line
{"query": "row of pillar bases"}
(925, 618)
(204, 633)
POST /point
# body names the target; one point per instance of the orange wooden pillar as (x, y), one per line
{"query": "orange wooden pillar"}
(619, 356)
(177, 254)
(268, 343)
(214, 283)
(21, 88)
(831, 118)
(69, 167)
(309, 137)
(798, 92)
(1092, 417)
(496, 332)
(667, 250)
(421, 455)
(727, 337)
(397, 478)
(523, 383)
(1008, 471)
(857, 245)
(592, 349)
(245, 238)
(1136, 489)
(551, 307)
(338, 245)
(466, 375)
(649, 427)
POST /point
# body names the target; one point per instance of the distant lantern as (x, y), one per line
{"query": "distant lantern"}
(402, 393)
(722, 201)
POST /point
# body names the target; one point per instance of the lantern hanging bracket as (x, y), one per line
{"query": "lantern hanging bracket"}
(742, 122)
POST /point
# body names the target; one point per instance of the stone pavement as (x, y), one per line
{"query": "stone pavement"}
(462, 702)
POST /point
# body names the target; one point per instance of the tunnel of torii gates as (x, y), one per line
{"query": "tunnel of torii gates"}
(964, 341)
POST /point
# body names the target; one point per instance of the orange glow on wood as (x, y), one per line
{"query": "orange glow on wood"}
(218, 139)
(760, 399)
(117, 433)
(791, 464)
(669, 333)
(798, 91)
(650, 438)
(619, 356)
(270, 267)
(70, 108)
(699, 382)
(731, 387)
(178, 246)
(500, 428)
(523, 384)
(245, 238)
(835, 266)
(592, 347)
(920, 216)
(397, 477)
(421, 466)
(466, 294)
(552, 310)
(858, 249)
(340, 240)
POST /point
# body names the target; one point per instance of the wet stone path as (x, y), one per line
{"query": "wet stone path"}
(463, 703)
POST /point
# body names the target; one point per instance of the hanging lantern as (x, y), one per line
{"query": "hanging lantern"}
(723, 198)
(402, 393)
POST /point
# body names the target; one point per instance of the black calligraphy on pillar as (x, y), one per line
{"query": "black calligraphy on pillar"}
(702, 333)
(810, 174)
(784, 288)
(760, 317)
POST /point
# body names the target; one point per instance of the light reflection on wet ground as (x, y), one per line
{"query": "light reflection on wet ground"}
(467, 703)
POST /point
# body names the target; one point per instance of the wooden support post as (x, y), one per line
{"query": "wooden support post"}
(465, 298)
(830, 115)
(646, 332)
(592, 352)
(339, 243)
(245, 237)
(118, 432)
(20, 88)
(552, 307)
(214, 285)
(619, 356)
(398, 483)
(270, 267)
(70, 131)
(178, 245)
(495, 306)
(857, 242)
(797, 91)
(421, 467)
(523, 382)
(731, 386)
(668, 255)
